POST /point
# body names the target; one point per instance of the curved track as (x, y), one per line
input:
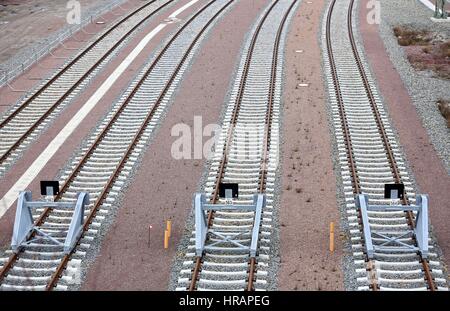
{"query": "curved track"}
(104, 164)
(370, 157)
(251, 123)
(24, 122)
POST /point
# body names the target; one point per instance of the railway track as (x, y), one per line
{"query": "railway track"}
(370, 156)
(250, 125)
(106, 160)
(26, 120)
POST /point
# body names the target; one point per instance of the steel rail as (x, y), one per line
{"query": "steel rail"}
(345, 127)
(199, 260)
(387, 145)
(268, 129)
(346, 131)
(135, 140)
(268, 123)
(383, 134)
(56, 275)
(42, 118)
(380, 126)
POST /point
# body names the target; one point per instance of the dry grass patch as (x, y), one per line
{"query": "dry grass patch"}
(407, 36)
(425, 50)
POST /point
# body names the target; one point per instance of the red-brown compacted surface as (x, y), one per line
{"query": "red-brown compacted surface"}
(25, 22)
(428, 169)
(308, 201)
(47, 64)
(163, 186)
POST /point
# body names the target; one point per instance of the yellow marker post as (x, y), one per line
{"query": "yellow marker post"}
(169, 227)
(166, 239)
(331, 237)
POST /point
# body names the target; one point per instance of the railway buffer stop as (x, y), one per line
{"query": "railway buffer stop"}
(228, 192)
(392, 240)
(26, 231)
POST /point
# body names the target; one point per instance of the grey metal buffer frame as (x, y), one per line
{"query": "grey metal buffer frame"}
(202, 230)
(389, 239)
(25, 230)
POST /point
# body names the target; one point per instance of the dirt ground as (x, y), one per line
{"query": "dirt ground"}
(24, 23)
(308, 201)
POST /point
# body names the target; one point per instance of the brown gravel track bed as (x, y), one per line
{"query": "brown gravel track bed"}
(308, 201)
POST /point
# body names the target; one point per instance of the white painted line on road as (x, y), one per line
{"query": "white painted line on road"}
(30, 174)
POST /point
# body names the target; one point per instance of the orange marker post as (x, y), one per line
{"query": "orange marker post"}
(169, 227)
(166, 239)
(331, 237)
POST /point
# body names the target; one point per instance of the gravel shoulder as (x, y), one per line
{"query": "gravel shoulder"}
(27, 24)
(423, 88)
